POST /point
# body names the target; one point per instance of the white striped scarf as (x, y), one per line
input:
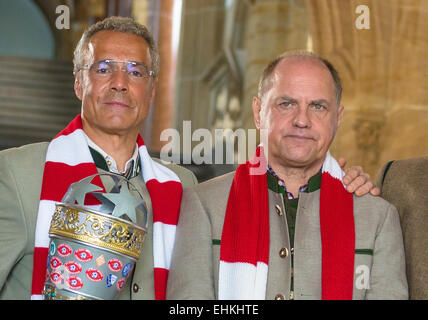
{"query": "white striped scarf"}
(68, 160)
(244, 251)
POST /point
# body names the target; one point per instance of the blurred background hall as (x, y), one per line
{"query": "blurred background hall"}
(212, 54)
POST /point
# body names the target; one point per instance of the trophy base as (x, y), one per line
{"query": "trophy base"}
(51, 293)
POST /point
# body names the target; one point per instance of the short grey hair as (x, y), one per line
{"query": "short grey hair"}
(118, 24)
(265, 79)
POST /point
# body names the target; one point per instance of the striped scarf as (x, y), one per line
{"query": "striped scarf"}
(69, 160)
(244, 252)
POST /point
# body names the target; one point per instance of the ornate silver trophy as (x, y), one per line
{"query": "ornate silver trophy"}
(94, 247)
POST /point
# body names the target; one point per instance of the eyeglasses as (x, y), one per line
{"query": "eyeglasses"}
(104, 69)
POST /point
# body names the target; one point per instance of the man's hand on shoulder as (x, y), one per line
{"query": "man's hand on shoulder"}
(357, 181)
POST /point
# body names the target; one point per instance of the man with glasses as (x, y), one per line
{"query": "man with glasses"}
(115, 67)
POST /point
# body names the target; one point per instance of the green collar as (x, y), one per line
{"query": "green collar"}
(313, 184)
(101, 163)
(99, 160)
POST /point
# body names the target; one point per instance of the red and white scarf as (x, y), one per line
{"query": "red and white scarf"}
(244, 251)
(69, 160)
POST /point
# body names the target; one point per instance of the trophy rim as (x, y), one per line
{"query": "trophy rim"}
(105, 215)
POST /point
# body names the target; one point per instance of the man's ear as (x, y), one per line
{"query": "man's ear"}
(153, 93)
(257, 106)
(77, 85)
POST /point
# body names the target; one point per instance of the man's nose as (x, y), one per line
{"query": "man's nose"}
(301, 118)
(119, 80)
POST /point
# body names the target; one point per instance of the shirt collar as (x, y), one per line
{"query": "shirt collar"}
(131, 166)
(275, 183)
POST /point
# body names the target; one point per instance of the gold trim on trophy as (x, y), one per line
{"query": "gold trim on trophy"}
(97, 229)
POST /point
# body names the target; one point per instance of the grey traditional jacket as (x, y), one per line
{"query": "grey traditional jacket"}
(21, 172)
(404, 183)
(379, 257)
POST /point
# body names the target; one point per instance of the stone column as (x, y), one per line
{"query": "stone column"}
(162, 113)
(158, 17)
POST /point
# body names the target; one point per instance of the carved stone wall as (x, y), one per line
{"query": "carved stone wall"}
(383, 69)
(384, 72)
(223, 45)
